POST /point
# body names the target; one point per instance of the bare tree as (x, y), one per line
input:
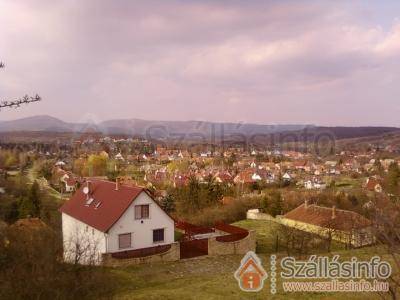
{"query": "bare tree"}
(387, 233)
(82, 248)
(23, 100)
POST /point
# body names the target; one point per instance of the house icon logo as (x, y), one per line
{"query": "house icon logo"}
(251, 274)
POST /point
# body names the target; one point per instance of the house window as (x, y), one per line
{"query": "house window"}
(158, 235)
(142, 211)
(124, 240)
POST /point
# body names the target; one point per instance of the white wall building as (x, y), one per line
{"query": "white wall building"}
(105, 217)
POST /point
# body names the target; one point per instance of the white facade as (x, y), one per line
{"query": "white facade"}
(69, 188)
(141, 233)
(96, 242)
(82, 243)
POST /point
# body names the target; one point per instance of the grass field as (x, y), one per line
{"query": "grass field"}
(212, 278)
(267, 233)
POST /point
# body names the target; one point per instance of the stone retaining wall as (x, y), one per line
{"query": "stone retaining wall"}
(238, 247)
(173, 254)
(255, 214)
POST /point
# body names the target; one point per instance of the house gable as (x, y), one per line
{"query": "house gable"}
(141, 229)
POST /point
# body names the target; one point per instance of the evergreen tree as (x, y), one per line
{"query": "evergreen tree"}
(276, 206)
(34, 197)
(193, 194)
(12, 213)
(168, 203)
(213, 191)
(392, 178)
(31, 205)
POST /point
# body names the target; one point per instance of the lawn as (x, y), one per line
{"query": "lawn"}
(267, 234)
(203, 278)
(212, 277)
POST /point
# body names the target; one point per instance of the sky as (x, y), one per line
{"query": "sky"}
(267, 62)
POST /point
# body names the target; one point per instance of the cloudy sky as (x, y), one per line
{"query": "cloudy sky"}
(328, 63)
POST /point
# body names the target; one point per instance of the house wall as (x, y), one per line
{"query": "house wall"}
(90, 241)
(69, 188)
(141, 230)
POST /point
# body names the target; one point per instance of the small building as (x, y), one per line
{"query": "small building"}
(119, 157)
(344, 226)
(286, 177)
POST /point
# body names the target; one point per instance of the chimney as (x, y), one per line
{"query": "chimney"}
(306, 204)
(333, 212)
(117, 184)
(88, 189)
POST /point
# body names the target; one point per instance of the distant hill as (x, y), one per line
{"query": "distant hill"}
(146, 128)
(190, 130)
(36, 123)
(342, 132)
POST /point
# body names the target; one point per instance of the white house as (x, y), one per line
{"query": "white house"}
(119, 156)
(314, 184)
(70, 185)
(107, 217)
(256, 177)
(69, 181)
(286, 177)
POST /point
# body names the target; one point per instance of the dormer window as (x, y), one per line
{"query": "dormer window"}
(89, 201)
(142, 211)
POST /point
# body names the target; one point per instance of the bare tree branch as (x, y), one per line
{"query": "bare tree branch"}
(17, 103)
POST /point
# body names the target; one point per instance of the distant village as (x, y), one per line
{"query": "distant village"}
(157, 167)
(185, 197)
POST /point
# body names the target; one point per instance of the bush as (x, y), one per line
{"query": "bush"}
(31, 267)
(233, 212)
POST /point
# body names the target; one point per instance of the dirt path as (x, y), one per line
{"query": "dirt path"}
(43, 183)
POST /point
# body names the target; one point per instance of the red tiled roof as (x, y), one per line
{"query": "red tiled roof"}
(371, 184)
(113, 204)
(322, 216)
(71, 181)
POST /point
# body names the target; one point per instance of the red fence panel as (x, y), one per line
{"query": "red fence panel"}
(191, 229)
(193, 248)
(229, 228)
(235, 233)
(232, 237)
(141, 252)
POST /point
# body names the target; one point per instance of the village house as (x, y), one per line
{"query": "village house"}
(68, 180)
(345, 226)
(119, 156)
(373, 184)
(224, 177)
(106, 217)
(287, 177)
(314, 183)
